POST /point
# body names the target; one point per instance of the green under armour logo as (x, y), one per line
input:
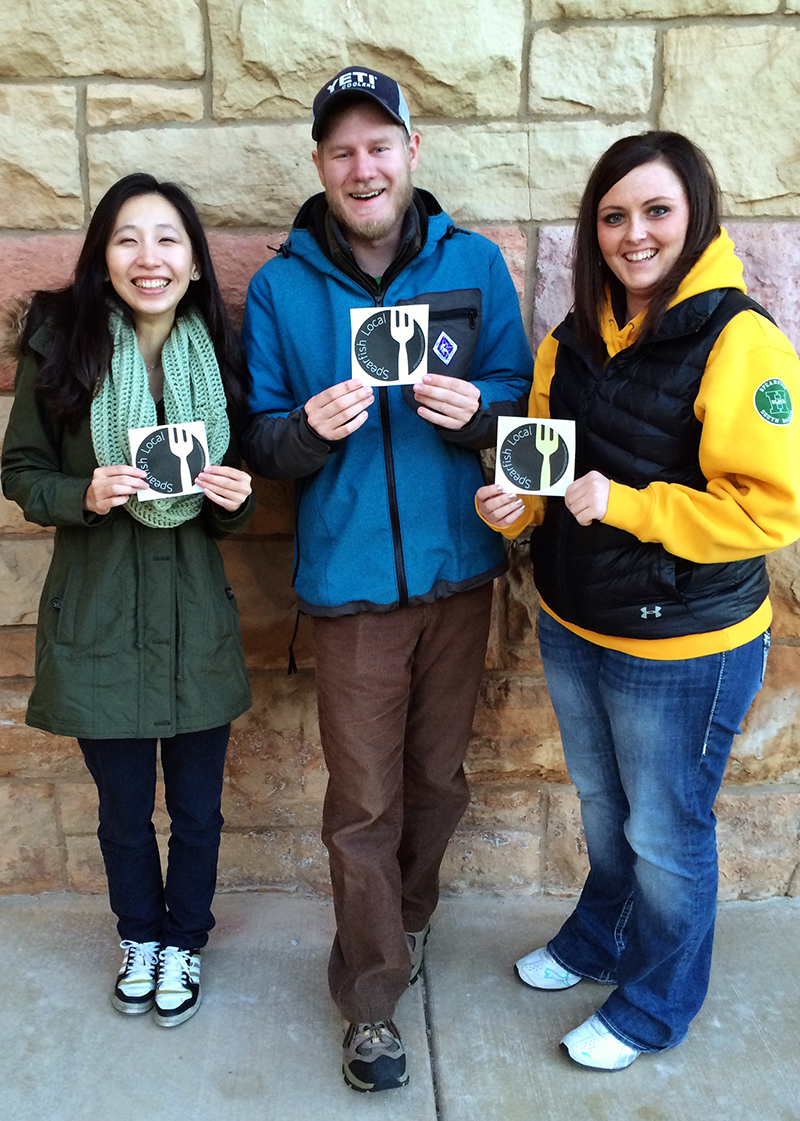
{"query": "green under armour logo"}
(772, 402)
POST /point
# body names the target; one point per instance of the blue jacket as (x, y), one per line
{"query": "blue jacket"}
(385, 517)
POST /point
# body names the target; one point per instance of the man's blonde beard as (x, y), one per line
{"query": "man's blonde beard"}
(378, 229)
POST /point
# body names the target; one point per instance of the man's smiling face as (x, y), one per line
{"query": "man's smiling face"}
(364, 162)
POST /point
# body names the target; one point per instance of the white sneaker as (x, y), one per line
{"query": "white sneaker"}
(540, 970)
(135, 986)
(593, 1045)
(178, 992)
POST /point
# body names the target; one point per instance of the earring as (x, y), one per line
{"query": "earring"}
(195, 274)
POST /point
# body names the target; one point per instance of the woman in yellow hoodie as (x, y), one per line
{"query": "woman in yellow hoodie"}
(655, 617)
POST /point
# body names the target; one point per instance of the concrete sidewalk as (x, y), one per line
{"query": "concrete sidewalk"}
(482, 1047)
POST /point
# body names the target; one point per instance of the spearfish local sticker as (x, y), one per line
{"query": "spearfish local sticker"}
(534, 456)
(172, 455)
(389, 344)
(772, 402)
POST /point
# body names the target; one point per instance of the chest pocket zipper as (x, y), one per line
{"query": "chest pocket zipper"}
(470, 313)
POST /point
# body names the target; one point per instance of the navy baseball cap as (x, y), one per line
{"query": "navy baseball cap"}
(362, 80)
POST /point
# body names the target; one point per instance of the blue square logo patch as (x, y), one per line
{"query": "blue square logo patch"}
(445, 348)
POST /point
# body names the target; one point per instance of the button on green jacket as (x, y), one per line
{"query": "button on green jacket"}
(138, 630)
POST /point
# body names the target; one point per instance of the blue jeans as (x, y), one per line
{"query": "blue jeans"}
(175, 911)
(646, 743)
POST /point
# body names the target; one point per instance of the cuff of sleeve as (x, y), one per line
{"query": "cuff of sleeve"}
(468, 430)
(475, 419)
(628, 509)
(312, 440)
(231, 521)
(531, 515)
(70, 509)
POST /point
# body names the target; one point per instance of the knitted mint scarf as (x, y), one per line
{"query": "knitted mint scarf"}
(192, 391)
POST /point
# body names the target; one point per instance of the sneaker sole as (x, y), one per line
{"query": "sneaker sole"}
(128, 1009)
(363, 1088)
(597, 1070)
(164, 1020)
(541, 988)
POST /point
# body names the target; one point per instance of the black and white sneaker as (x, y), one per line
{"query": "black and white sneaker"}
(374, 1057)
(135, 986)
(178, 986)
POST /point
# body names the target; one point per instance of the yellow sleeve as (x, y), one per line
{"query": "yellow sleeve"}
(538, 405)
(749, 453)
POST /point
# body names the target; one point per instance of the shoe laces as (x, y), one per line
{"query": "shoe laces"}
(140, 955)
(175, 966)
(381, 1035)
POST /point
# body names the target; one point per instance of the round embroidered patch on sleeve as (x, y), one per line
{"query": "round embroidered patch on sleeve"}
(772, 402)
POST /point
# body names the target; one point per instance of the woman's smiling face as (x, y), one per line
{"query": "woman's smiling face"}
(149, 258)
(641, 229)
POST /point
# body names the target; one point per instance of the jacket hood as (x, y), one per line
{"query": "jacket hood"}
(719, 267)
(316, 235)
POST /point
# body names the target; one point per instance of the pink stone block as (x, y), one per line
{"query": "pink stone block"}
(552, 292)
(236, 257)
(770, 255)
(28, 263)
(513, 244)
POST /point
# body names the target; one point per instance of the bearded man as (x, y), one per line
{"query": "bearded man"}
(391, 561)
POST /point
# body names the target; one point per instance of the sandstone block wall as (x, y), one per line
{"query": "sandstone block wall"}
(514, 100)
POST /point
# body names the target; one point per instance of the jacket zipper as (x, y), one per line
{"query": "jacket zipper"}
(394, 512)
(378, 294)
(470, 313)
(391, 487)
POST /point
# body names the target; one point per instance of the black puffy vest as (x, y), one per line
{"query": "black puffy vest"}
(635, 423)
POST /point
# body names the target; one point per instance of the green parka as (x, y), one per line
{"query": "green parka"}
(138, 632)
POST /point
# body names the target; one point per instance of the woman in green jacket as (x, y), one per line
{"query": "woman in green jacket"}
(138, 638)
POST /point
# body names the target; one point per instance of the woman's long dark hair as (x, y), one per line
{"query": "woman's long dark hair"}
(77, 316)
(591, 274)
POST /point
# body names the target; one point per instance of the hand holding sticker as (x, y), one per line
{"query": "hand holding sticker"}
(339, 410)
(448, 402)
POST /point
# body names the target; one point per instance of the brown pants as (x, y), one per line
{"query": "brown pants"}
(396, 695)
